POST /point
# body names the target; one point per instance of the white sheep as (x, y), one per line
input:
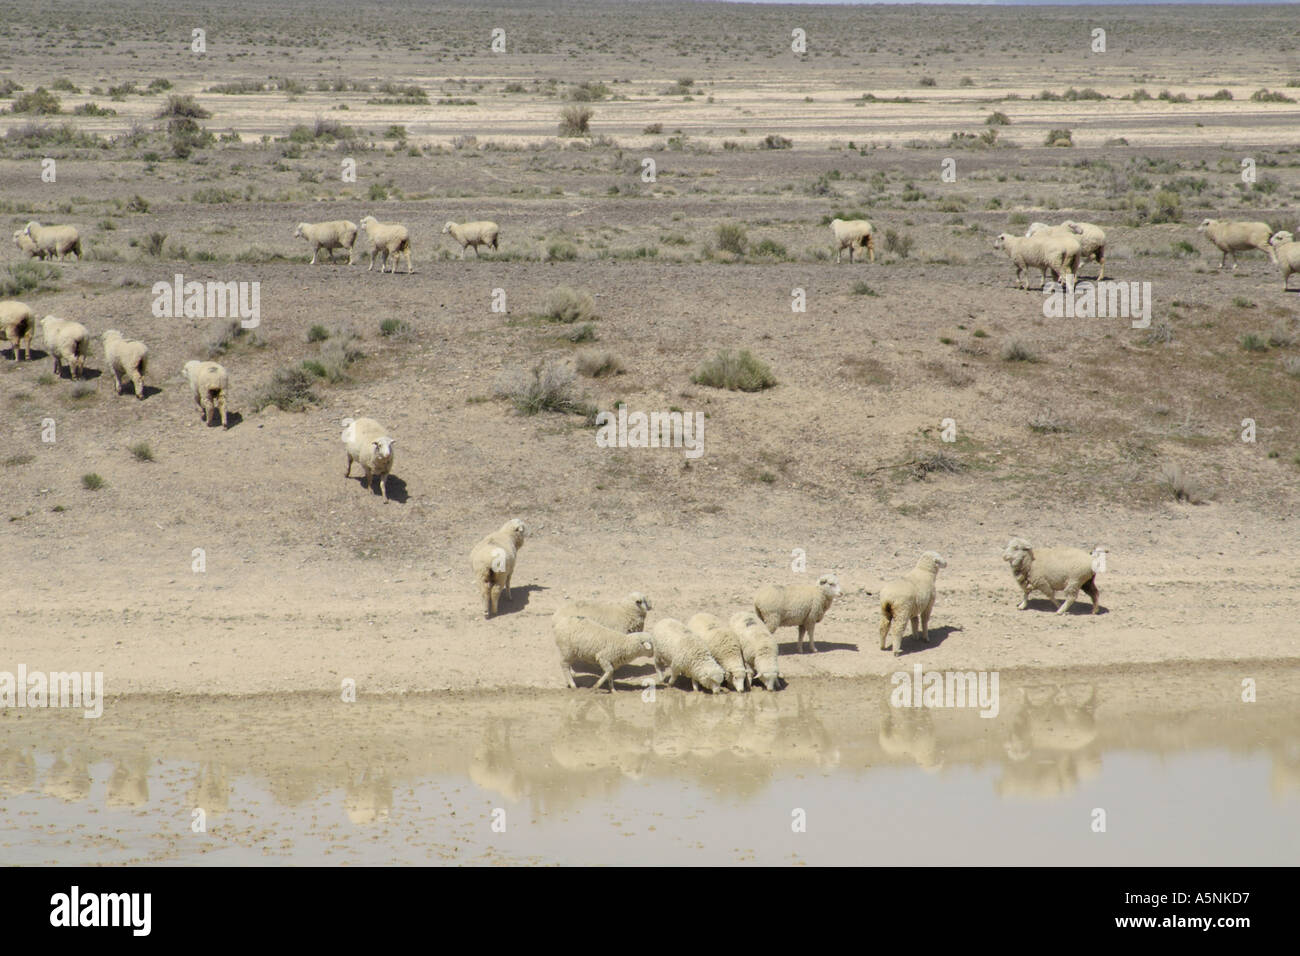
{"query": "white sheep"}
(58, 241)
(27, 245)
(210, 384)
(473, 234)
(1287, 252)
(1233, 237)
(797, 605)
(680, 652)
(493, 562)
(582, 640)
(910, 598)
(368, 444)
(67, 342)
(17, 323)
(1092, 240)
(1048, 570)
(627, 615)
(724, 645)
(851, 234)
(759, 648)
(125, 358)
(338, 234)
(1050, 250)
(389, 239)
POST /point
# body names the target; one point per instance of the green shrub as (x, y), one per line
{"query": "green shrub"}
(567, 305)
(318, 333)
(737, 371)
(289, 390)
(142, 451)
(40, 101)
(545, 388)
(732, 238)
(575, 121)
(91, 481)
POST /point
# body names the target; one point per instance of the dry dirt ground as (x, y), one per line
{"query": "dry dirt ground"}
(309, 579)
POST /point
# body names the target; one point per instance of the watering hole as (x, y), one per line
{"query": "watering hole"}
(1181, 770)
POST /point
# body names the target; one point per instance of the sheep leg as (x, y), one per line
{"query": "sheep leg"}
(925, 625)
(496, 596)
(476, 252)
(898, 635)
(486, 588)
(507, 587)
(117, 382)
(383, 486)
(1101, 261)
(608, 675)
(372, 261)
(348, 473)
(370, 475)
(138, 381)
(462, 250)
(221, 405)
(313, 255)
(799, 640)
(885, 621)
(567, 671)
(812, 645)
(409, 270)
(1070, 594)
(1024, 601)
(871, 249)
(1091, 588)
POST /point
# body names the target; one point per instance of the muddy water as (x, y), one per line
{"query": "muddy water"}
(824, 772)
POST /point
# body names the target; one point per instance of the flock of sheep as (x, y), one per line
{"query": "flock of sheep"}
(708, 651)
(737, 652)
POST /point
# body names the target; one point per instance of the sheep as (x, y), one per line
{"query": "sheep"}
(67, 342)
(1233, 237)
(582, 640)
(910, 598)
(368, 444)
(853, 233)
(339, 234)
(493, 562)
(627, 615)
(1287, 251)
(57, 241)
(1048, 570)
(680, 652)
(17, 323)
(1092, 240)
(473, 234)
(1050, 250)
(758, 647)
(130, 359)
(27, 246)
(388, 238)
(797, 605)
(210, 383)
(724, 645)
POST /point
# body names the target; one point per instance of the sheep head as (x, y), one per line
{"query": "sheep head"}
(830, 585)
(641, 601)
(1205, 224)
(297, 232)
(1036, 227)
(1016, 551)
(30, 226)
(931, 561)
(447, 228)
(1281, 237)
(383, 449)
(1001, 240)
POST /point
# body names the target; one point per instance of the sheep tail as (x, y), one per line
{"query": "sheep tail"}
(498, 562)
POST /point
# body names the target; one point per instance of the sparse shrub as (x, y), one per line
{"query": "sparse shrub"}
(653, 129)
(861, 288)
(1017, 351)
(934, 462)
(732, 238)
(289, 390)
(773, 141)
(184, 106)
(39, 101)
(91, 481)
(597, 363)
(568, 305)
(1047, 425)
(1253, 342)
(1291, 365)
(544, 388)
(575, 121)
(928, 81)
(1059, 137)
(561, 251)
(393, 327)
(137, 203)
(221, 335)
(737, 371)
(29, 276)
(1259, 96)
(771, 249)
(899, 245)
(141, 451)
(1177, 484)
(154, 244)
(582, 333)
(318, 333)
(81, 390)
(1161, 333)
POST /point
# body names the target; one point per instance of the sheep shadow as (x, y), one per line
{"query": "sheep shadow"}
(629, 677)
(37, 355)
(128, 391)
(87, 374)
(937, 636)
(233, 418)
(792, 647)
(1081, 606)
(519, 595)
(396, 487)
